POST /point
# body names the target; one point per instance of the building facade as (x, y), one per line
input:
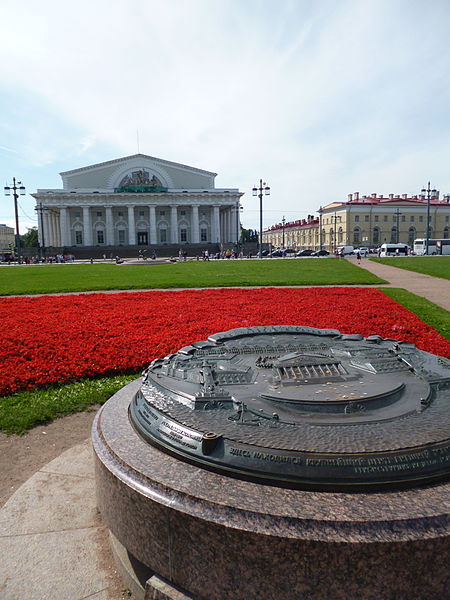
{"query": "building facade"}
(7, 238)
(368, 221)
(137, 200)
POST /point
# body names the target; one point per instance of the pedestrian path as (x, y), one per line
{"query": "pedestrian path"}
(434, 289)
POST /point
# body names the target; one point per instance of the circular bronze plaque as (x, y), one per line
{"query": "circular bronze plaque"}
(302, 407)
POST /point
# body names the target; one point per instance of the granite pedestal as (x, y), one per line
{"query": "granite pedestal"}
(192, 533)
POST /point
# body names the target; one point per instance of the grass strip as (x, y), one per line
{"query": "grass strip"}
(429, 313)
(22, 411)
(436, 266)
(45, 279)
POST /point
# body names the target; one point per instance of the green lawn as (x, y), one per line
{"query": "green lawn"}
(437, 266)
(44, 279)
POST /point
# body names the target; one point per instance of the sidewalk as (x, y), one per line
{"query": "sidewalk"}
(434, 289)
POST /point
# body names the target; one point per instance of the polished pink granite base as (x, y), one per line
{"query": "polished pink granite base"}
(217, 538)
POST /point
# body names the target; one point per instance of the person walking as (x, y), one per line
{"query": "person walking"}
(358, 256)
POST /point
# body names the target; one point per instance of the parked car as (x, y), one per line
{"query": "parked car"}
(321, 253)
(362, 251)
(284, 252)
(304, 253)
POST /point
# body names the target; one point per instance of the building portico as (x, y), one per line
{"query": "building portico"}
(138, 201)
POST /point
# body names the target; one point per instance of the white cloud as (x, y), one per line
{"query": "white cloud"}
(319, 98)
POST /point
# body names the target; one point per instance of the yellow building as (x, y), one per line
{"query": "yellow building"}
(367, 221)
(300, 234)
(6, 238)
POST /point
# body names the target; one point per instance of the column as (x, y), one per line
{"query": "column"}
(173, 225)
(64, 226)
(215, 233)
(195, 228)
(131, 227)
(153, 233)
(234, 215)
(87, 226)
(109, 226)
(229, 224)
(47, 229)
(57, 230)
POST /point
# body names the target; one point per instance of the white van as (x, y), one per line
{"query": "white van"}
(345, 250)
(394, 250)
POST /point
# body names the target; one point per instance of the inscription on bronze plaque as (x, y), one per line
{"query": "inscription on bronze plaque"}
(302, 407)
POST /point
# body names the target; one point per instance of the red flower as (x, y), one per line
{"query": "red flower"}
(53, 339)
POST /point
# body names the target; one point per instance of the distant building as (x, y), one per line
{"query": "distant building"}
(137, 201)
(7, 238)
(368, 221)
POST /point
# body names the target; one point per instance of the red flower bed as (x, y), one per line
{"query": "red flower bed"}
(54, 339)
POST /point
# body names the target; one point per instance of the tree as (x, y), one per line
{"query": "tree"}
(249, 235)
(30, 238)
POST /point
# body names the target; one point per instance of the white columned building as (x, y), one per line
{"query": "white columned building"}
(137, 200)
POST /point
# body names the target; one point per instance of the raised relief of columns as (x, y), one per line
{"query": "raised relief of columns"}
(131, 227)
(87, 226)
(64, 226)
(215, 237)
(153, 236)
(109, 226)
(195, 227)
(173, 225)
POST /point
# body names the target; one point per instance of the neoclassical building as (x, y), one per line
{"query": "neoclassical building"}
(137, 200)
(366, 221)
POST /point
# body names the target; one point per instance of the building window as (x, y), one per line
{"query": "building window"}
(356, 235)
(385, 218)
(100, 236)
(376, 235)
(421, 219)
(203, 234)
(120, 214)
(78, 238)
(411, 236)
(141, 213)
(403, 218)
(356, 218)
(412, 219)
(162, 213)
(163, 236)
(121, 236)
(447, 218)
(183, 213)
(366, 218)
(394, 235)
(377, 218)
(99, 213)
(77, 215)
(183, 235)
(446, 233)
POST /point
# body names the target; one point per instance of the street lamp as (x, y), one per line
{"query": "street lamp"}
(283, 220)
(320, 228)
(263, 187)
(428, 191)
(16, 187)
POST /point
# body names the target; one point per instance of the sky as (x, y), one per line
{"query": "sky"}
(318, 98)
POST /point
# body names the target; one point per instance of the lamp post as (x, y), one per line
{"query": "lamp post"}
(428, 191)
(16, 187)
(263, 187)
(283, 220)
(398, 213)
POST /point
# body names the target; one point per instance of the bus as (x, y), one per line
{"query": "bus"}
(434, 246)
(394, 250)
